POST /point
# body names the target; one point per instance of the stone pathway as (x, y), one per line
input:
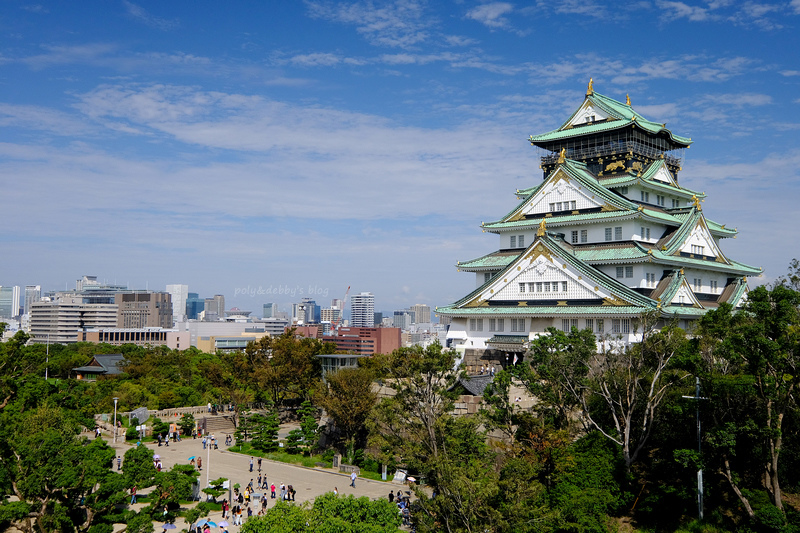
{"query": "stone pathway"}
(308, 482)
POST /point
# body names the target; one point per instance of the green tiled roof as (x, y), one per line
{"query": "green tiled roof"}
(578, 171)
(679, 261)
(508, 339)
(628, 179)
(600, 310)
(618, 252)
(565, 251)
(620, 116)
(595, 217)
(489, 261)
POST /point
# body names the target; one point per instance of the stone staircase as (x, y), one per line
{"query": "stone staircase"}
(216, 424)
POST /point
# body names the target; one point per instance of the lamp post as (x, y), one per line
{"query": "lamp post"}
(115, 419)
(697, 398)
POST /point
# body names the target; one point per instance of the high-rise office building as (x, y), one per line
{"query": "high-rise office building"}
(362, 310)
(422, 313)
(143, 309)
(33, 293)
(9, 301)
(194, 306)
(62, 321)
(270, 310)
(214, 307)
(401, 319)
(180, 294)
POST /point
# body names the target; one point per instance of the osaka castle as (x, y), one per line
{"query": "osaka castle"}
(608, 234)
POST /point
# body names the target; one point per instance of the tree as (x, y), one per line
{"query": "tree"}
(289, 366)
(173, 486)
(308, 424)
(619, 388)
(416, 428)
(265, 430)
(186, 423)
(792, 278)
(348, 400)
(764, 343)
(558, 372)
(328, 514)
(64, 481)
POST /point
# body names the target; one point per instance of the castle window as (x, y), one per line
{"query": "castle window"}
(573, 204)
(645, 197)
(584, 235)
(476, 324)
(629, 272)
(538, 286)
(618, 233)
(660, 199)
(600, 326)
(645, 233)
(713, 284)
(590, 324)
(563, 286)
(521, 241)
(575, 237)
(608, 234)
(517, 325)
(487, 276)
(521, 287)
(513, 241)
(620, 272)
(698, 284)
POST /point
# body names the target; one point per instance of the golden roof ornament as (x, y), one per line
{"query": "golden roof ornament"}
(696, 202)
(628, 100)
(562, 156)
(590, 89)
(542, 229)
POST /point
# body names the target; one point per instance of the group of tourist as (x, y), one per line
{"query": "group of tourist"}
(403, 505)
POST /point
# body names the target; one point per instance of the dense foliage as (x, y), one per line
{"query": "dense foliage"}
(328, 514)
(611, 440)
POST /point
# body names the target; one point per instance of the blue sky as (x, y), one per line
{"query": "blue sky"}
(311, 146)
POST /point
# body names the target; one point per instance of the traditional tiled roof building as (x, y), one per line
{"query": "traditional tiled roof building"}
(609, 233)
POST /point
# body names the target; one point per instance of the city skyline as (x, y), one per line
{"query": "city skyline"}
(301, 148)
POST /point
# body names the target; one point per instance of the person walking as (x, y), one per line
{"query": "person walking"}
(119, 462)
(272, 488)
(251, 463)
(259, 464)
(133, 494)
(353, 477)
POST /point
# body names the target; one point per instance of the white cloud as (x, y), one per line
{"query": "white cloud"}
(316, 60)
(400, 23)
(139, 13)
(41, 118)
(492, 14)
(682, 10)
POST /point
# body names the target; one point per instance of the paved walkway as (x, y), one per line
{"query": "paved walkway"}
(308, 482)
